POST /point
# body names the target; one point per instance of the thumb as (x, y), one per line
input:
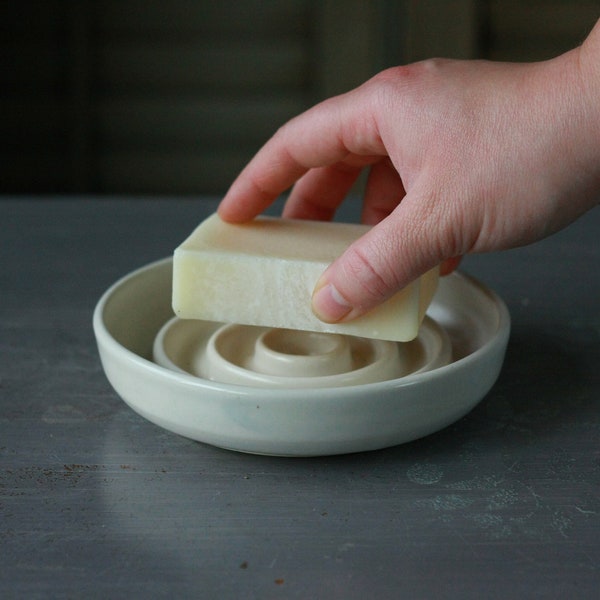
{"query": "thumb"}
(391, 255)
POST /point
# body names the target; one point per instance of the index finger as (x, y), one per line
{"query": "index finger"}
(326, 134)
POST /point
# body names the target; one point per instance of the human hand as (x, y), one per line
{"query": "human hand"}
(464, 156)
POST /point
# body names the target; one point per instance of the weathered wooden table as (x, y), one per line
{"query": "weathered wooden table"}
(96, 502)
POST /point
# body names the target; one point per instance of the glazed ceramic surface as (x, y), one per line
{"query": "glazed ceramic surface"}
(284, 358)
(134, 317)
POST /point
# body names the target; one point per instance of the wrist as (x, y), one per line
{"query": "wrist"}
(588, 63)
(581, 89)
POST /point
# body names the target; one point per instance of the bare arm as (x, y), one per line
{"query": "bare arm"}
(464, 156)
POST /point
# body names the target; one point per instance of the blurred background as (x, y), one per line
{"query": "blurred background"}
(174, 96)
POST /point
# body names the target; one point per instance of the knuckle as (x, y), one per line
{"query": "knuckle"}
(368, 269)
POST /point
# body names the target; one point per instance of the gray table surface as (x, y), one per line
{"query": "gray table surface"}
(97, 502)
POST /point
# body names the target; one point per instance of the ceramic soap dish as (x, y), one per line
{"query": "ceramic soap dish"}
(289, 393)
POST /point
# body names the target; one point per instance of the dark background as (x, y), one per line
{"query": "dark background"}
(173, 97)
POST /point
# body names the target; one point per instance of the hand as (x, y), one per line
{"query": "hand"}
(464, 156)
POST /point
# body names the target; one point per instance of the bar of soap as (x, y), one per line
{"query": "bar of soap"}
(264, 272)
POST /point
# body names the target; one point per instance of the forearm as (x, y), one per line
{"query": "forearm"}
(589, 67)
(590, 52)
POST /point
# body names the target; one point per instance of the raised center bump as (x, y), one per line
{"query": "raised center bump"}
(292, 353)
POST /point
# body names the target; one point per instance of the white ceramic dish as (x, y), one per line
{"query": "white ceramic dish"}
(298, 421)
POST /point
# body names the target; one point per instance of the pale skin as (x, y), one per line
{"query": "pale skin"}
(464, 156)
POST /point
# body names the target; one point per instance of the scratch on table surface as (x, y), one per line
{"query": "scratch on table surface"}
(501, 509)
(585, 512)
(424, 473)
(445, 502)
(561, 523)
(502, 498)
(476, 483)
(496, 526)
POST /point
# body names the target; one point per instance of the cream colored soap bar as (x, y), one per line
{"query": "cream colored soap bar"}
(264, 273)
